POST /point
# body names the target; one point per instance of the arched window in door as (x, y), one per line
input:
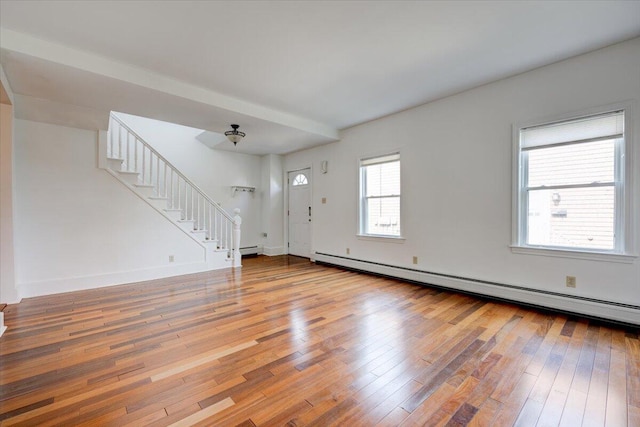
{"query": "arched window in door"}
(300, 179)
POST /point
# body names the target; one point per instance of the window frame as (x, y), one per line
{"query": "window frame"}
(624, 243)
(362, 232)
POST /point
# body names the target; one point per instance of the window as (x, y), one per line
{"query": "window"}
(380, 196)
(571, 189)
(300, 179)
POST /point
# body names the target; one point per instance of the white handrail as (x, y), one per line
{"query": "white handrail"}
(168, 182)
(141, 140)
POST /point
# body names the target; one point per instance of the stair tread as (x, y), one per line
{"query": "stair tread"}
(145, 185)
(185, 220)
(115, 158)
(129, 172)
(172, 210)
(157, 198)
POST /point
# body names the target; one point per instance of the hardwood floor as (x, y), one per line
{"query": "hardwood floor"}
(287, 342)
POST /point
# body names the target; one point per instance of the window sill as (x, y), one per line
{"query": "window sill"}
(377, 238)
(563, 253)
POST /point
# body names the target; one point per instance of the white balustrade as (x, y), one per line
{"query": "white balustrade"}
(138, 156)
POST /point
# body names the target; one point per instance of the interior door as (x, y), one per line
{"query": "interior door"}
(299, 183)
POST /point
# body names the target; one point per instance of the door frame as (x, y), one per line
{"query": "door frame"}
(286, 209)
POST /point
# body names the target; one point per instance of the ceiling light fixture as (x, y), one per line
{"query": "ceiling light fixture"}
(234, 135)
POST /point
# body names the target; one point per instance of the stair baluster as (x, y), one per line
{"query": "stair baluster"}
(193, 206)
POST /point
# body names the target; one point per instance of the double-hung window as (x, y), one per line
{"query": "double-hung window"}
(380, 196)
(571, 185)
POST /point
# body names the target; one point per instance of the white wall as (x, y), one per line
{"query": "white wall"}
(456, 156)
(77, 227)
(214, 171)
(8, 293)
(273, 204)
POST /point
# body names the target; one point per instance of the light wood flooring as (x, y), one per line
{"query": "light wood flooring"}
(283, 341)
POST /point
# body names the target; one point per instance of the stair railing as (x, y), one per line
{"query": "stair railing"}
(169, 183)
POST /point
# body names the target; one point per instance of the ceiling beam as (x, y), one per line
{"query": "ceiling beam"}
(100, 65)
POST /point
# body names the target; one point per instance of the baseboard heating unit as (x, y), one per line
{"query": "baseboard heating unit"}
(588, 307)
(250, 251)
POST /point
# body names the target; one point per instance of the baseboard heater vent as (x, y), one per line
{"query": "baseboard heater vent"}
(250, 251)
(626, 314)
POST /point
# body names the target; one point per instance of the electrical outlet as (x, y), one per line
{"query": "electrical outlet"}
(415, 259)
(571, 281)
(348, 251)
(171, 258)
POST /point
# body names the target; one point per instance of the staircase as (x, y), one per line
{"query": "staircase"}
(131, 160)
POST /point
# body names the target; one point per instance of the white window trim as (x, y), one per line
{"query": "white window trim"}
(627, 251)
(381, 238)
(575, 254)
(377, 237)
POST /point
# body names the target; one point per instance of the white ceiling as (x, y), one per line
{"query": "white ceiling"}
(290, 73)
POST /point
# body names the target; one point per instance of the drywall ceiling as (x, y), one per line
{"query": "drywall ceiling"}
(290, 73)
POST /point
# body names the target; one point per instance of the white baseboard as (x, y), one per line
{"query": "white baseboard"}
(15, 300)
(588, 307)
(273, 250)
(69, 284)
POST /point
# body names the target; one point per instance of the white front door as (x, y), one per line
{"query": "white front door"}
(300, 213)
